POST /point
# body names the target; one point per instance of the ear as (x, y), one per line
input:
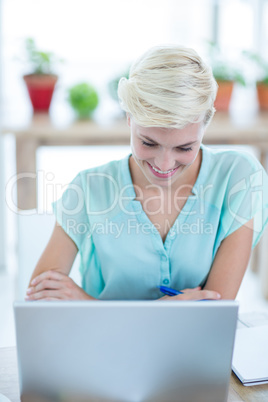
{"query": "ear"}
(128, 120)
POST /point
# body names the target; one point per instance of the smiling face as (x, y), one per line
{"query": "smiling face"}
(164, 154)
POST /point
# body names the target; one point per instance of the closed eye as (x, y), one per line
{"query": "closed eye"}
(148, 144)
(185, 149)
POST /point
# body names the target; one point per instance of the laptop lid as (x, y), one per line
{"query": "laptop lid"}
(126, 351)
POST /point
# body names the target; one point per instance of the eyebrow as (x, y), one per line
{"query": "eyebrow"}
(178, 146)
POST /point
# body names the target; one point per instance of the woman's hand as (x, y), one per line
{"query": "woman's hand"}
(53, 285)
(194, 294)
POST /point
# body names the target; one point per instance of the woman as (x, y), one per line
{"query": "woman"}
(173, 213)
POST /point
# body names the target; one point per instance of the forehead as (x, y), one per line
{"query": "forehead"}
(190, 133)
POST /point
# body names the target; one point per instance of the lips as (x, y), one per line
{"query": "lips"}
(160, 173)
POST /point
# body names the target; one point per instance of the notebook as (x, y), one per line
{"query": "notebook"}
(129, 351)
(250, 359)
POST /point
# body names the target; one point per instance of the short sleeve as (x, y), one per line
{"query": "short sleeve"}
(71, 213)
(246, 197)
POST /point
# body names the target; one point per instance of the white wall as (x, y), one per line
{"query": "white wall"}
(2, 174)
(2, 211)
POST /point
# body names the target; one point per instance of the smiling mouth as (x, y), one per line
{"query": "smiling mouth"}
(161, 171)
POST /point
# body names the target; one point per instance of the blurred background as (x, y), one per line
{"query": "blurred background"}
(88, 45)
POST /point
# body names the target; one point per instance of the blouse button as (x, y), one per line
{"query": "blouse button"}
(164, 258)
(166, 281)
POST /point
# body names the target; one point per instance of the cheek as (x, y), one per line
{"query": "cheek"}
(187, 158)
(140, 151)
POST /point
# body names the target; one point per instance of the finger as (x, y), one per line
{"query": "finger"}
(45, 294)
(201, 295)
(165, 298)
(198, 295)
(45, 284)
(51, 274)
(51, 299)
(191, 289)
(46, 299)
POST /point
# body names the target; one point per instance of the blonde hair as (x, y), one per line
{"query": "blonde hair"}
(169, 86)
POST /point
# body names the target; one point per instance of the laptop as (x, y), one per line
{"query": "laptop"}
(125, 351)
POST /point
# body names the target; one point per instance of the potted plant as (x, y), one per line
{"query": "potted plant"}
(84, 99)
(41, 81)
(226, 75)
(262, 82)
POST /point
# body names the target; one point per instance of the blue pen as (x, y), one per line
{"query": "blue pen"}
(173, 292)
(169, 291)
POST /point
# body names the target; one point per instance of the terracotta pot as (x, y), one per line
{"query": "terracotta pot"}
(224, 95)
(40, 88)
(262, 91)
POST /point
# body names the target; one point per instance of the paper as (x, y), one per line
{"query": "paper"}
(252, 319)
(250, 357)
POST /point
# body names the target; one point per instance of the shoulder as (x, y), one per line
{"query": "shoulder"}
(101, 186)
(227, 164)
(111, 168)
(230, 157)
(230, 176)
(104, 176)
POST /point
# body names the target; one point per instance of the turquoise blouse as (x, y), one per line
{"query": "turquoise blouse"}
(122, 253)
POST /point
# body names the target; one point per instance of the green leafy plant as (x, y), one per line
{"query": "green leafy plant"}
(222, 70)
(261, 64)
(84, 99)
(40, 62)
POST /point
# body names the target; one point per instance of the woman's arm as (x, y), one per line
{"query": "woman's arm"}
(58, 255)
(228, 268)
(231, 262)
(50, 280)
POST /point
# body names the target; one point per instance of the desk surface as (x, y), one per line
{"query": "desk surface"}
(9, 382)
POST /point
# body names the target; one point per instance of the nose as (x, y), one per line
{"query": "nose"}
(164, 160)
